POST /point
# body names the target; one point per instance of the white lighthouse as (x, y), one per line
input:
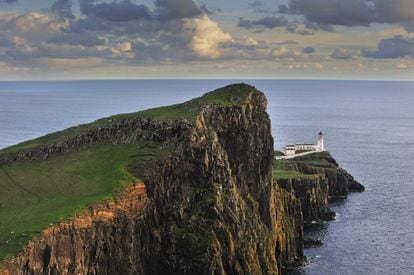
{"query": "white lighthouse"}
(320, 146)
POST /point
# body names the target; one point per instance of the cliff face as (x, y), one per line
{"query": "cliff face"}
(340, 182)
(212, 207)
(313, 195)
(322, 180)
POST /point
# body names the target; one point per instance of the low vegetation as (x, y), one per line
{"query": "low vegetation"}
(34, 195)
(288, 168)
(279, 174)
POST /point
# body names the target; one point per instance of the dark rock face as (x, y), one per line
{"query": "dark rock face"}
(313, 195)
(210, 208)
(332, 183)
(216, 209)
(340, 182)
(312, 243)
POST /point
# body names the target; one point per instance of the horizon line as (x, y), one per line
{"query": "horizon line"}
(198, 79)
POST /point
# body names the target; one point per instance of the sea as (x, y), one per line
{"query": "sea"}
(368, 127)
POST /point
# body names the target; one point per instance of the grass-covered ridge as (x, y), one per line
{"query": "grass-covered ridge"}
(280, 174)
(288, 168)
(230, 95)
(36, 194)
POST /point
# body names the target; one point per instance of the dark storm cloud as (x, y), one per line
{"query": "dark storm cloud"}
(396, 47)
(126, 10)
(176, 9)
(270, 22)
(319, 27)
(341, 54)
(353, 12)
(63, 9)
(115, 11)
(308, 50)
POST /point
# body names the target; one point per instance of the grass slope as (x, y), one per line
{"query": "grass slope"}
(285, 168)
(227, 96)
(36, 194)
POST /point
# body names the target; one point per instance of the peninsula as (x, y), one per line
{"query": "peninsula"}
(183, 189)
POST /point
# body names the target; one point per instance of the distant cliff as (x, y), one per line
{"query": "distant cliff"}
(204, 197)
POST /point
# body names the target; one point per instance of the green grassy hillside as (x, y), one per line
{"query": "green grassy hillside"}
(36, 194)
(286, 169)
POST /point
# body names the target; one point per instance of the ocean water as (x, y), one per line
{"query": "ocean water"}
(368, 127)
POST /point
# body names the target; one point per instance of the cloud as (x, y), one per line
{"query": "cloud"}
(271, 22)
(288, 42)
(115, 11)
(402, 66)
(119, 32)
(123, 49)
(176, 9)
(353, 12)
(341, 54)
(266, 22)
(8, 1)
(207, 37)
(283, 52)
(319, 66)
(308, 50)
(63, 9)
(396, 47)
(256, 4)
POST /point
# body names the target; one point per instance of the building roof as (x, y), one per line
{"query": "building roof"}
(320, 133)
(304, 144)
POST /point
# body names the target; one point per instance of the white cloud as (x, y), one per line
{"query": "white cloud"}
(123, 48)
(319, 66)
(207, 37)
(280, 52)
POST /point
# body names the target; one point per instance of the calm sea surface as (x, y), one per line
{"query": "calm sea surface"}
(368, 127)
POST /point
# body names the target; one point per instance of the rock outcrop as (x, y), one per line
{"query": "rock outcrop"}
(323, 180)
(340, 182)
(313, 195)
(211, 207)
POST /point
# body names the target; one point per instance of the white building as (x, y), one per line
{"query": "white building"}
(291, 149)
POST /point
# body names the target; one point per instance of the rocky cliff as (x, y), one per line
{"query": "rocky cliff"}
(340, 182)
(210, 207)
(313, 195)
(319, 179)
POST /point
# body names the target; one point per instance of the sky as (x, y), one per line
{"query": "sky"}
(150, 39)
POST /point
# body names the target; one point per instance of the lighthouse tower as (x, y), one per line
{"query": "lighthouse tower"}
(320, 146)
